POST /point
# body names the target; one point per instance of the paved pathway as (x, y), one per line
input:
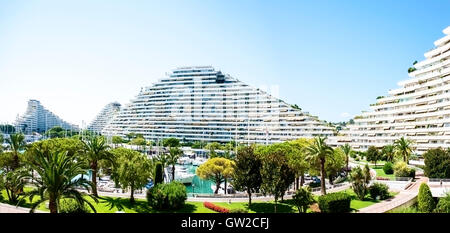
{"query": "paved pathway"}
(403, 197)
(5, 208)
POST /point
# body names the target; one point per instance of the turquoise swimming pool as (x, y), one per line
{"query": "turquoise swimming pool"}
(200, 186)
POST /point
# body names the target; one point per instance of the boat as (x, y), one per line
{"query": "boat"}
(198, 161)
(184, 177)
(184, 160)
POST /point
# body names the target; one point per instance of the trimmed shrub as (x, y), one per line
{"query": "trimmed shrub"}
(167, 196)
(388, 168)
(302, 199)
(216, 208)
(437, 163)
(401, 169)
(412, 173)
(335, 203)
(443, 205)
(70, 206)
(379, 190)
(159, 173)
(425, 201)
(239, 211)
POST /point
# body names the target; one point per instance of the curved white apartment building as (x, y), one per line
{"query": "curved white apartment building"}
(202, 104)
(37, 119)
(104, 117)
(418, 110)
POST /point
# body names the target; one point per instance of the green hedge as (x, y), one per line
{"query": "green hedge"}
(379, 190)
(167, 196)
(425, 201)
(335, 203)
(443, 206)
(388, 168)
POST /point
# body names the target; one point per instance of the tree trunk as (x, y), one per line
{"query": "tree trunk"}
(346, 161)
(173, 172)
(302, 180)
(94, 178)
(132, 195)
(330, 178)
(296, 183)
(217, 187)
(322, 176)
(225, 186)
(275, 206)
(249, 197)
(52, 205)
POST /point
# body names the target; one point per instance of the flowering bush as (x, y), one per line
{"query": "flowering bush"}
(382, 178)
(216, 208)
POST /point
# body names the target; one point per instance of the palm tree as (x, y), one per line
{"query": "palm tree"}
(388, 151)
(403, 146)
(16, 143)
(57, 181)
(347, 149)
(319, 151)
(96, 150)
(172, 158)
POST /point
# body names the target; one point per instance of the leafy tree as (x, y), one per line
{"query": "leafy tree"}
(388, 152)
(198, 145)
(217, 170)
(16, 144)
(159, 173)
(133, 170)
(163, 159)
(303, 198)
(437, 163)
(172, 158)
(96, 150)
(373, 155)
(1, 142)
(7, 129)
(171, 142)
(13, 182)
(56, 180)
(347, 149)
(317, 153)
(73, 147)
(425, 201)
(138, 141)
(117, 140)
(360, 179)
(275, 172)
(212, 147)
(443, 205)
(404, 148)
(297, 159)
(335, 164)
(247, 176)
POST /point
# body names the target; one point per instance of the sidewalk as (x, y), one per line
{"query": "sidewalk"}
(403, 197)
(5, 208)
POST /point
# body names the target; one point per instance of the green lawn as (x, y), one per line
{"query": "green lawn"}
(114, 204)
(380, 172)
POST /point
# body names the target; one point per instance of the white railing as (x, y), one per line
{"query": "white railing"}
(438, 180)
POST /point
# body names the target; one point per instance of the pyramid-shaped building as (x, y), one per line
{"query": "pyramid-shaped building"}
(203, 104)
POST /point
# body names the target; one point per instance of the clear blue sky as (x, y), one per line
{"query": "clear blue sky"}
(332, 58)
